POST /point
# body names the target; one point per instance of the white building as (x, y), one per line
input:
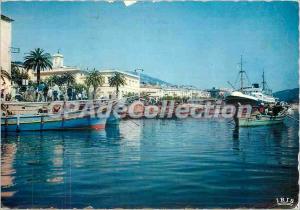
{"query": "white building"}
(5, 52)
(154, 91)
(132, 85)
(157, 91)
(185, 92)
(58, 68)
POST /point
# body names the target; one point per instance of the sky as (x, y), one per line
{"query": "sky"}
(184, 43)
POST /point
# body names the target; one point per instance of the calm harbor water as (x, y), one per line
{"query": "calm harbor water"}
(152, 163)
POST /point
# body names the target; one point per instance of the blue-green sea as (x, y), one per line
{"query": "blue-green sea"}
(188, 163)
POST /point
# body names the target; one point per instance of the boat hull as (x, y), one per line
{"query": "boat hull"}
(42, 123)
(258, 121)
(113, 120)
(238, 97)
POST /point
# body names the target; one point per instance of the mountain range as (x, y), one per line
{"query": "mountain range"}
(289, 95)
(146, 79)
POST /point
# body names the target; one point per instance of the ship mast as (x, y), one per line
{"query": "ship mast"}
(242, 72)
(263, 82)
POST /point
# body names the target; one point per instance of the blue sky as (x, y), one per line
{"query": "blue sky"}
(192, 43)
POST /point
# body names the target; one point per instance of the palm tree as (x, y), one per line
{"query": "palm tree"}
(38, 60)
(68, 78)
(116, 81)
(95, 79)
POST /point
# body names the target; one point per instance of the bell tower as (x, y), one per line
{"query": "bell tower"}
(57, 60)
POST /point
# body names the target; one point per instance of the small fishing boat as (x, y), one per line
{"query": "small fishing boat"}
(42, 122)
(259, 120)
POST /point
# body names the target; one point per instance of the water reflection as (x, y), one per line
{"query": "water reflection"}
(7, 169)
(113, 132)
(151, 163)
(235, 138)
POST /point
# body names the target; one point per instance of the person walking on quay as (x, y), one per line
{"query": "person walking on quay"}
(50, 94)
(73, 94)
(40, 91)
(55, 92)
(69, 93)
(45, 93)
(84, 94)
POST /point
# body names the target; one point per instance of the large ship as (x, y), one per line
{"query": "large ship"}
(253, 94)
(266, 110)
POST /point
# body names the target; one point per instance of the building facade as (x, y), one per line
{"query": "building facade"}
(185, 92)
(132, 86)
(58, 68)
(154, 91)
(157, 91)
(5, 52)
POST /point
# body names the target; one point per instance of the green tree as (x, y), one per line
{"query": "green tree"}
(116, 81)
(95, 79)
(54, 79)
(17, 75)
(37, 60)
(80, 87)
(68, 78)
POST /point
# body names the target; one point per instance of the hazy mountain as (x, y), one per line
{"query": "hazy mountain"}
(151, 80)
(290, 95)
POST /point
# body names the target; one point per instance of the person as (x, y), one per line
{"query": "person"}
(79, 96)
(277, 108)
(50, 94)
(45, 93)
(73, 94)
(261, 108)
(55, 92)
(4, 91)
(69, 93)
(84, 94)
(40, 91)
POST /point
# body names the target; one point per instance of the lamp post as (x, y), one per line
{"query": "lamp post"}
(139, 73)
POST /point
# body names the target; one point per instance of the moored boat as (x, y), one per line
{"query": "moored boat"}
(252, 94)
(259, 120)
(42, 122)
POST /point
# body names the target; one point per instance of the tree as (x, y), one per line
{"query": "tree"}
(37, 60)
(54, 79)
(68, 78)
(17, 75)
(116, 81)
(80, 87)
(95, 79)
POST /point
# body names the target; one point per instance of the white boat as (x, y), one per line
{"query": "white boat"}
(238, 96)
(251, 95)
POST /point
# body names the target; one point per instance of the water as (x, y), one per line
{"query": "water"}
(152, 163)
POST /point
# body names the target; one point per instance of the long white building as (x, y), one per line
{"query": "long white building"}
(157, 91)
(132, 85)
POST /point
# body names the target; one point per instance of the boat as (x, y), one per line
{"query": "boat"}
(20, 108)
(253, 94)
(259, 120)
(266, 110)
(42, 122)
(238, 96)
